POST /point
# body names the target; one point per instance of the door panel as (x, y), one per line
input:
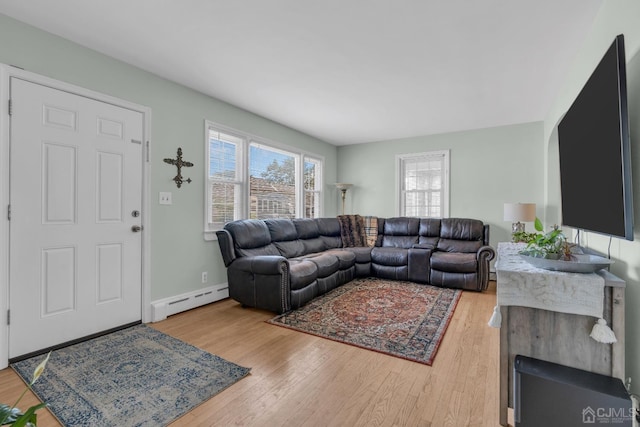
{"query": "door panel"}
(76, 176)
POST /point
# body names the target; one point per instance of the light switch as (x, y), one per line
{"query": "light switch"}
(165, 198)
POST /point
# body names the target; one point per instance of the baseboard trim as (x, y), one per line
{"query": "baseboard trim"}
(161, 309)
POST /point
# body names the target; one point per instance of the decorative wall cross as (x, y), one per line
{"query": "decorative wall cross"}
(179, 163)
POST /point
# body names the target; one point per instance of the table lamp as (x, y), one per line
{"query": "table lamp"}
(518, 213)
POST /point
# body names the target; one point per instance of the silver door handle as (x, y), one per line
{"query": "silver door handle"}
(136, 228)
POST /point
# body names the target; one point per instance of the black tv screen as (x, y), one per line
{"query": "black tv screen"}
(594, 150)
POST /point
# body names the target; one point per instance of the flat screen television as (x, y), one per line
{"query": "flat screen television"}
(595, 152)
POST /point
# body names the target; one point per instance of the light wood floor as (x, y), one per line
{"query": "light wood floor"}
(302, 380)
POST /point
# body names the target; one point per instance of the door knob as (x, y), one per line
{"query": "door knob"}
(136, 228)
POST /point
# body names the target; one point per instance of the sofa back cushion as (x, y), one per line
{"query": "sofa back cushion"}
(251, 237)
(284, 236)
(307, 228)
(399, 232)
(329, 229)
(429, 232)
(309, 235)
(461, 235)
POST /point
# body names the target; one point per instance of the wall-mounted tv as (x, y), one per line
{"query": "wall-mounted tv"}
(595, 152)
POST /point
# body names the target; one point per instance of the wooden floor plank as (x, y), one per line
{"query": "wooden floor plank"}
(302, 380)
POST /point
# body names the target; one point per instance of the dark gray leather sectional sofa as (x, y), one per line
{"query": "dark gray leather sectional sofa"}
(282, 264)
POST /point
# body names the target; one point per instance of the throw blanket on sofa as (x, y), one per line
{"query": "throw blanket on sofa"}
(352, 231)
(371, 230)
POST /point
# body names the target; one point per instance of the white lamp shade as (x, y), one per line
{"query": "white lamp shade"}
(343, 186)
(525, 212)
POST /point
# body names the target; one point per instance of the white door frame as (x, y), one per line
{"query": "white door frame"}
(6, 72)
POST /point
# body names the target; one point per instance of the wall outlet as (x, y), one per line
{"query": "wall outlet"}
(165, 198)
(205, 277)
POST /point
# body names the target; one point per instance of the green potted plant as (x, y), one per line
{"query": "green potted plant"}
(550, 245)
(11, 415)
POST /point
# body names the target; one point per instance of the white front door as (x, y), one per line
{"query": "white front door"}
(76, 196)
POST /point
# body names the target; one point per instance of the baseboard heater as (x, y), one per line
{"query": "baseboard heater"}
(163, 308)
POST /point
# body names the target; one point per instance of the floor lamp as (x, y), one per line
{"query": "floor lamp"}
(343, 188)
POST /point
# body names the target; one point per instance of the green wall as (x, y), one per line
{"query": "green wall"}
(615, 17)
(179, 252)
(488, 168)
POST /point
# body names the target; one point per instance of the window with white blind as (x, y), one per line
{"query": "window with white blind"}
(248, 177)
(423, 181)
(225, 178)
(312, 175)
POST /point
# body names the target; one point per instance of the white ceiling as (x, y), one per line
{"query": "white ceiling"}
(344, 71)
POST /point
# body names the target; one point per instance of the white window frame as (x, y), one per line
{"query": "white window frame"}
(318, 192)
(239, 180)
(401, 159)
(242, 161)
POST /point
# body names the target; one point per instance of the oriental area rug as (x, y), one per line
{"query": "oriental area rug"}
(398, 318)
(134, 377)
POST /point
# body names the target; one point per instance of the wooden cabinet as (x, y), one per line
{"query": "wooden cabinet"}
(561, 338)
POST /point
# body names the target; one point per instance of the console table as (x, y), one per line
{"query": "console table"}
(557, 336)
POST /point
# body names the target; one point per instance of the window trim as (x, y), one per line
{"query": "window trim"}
(240, 175)
(402, 158)
(247, 140)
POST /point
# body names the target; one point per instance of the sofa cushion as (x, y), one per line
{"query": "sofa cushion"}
(313, 245)
(390, 256)
(462, 229)
(401, 226)
(424, 246)
(429, 227)
(327, 264)
(328, 226)
(464, 246)
(249, 234)
(346, 259)
(281, 229)
(264, 250)
(454, 280)
(388, 272)
(307, 228)
(453, 262)
(331, 242)
(329, 229)
(290, 249)
(363, 254)
(404, 242)
(302, 273)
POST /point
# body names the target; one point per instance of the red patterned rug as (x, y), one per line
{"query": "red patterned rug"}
(402, 319)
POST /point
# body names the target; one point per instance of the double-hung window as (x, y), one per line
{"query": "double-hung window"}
(423, 181)
(250, 177)
(225, 178)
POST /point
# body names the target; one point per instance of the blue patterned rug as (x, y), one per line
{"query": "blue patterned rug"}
(134, 377)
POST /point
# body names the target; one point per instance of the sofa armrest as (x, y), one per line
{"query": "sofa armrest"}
(484, 255)
(225, 241)
(261, 264)
(261, 281)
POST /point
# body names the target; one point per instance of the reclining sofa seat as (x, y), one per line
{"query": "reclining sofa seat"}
(449, 252)
(462, 254)
(282, 264)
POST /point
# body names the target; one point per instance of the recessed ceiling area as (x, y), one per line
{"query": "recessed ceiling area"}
(343, 71)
